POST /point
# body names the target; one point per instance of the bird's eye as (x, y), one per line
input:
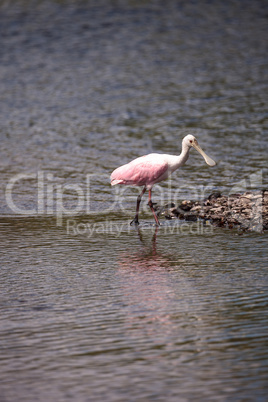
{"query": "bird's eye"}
(191, 141)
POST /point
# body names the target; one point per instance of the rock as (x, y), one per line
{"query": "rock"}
(191, 217)
(174, 211)
(167, 210)
(248, 211)
(186, 205)
(214, 195)
(245, 200)
(196, 208)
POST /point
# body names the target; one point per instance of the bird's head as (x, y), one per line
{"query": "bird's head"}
(191, 141)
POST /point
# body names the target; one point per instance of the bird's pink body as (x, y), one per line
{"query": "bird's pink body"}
(143, 171)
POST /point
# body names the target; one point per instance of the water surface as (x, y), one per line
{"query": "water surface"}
(93, 309)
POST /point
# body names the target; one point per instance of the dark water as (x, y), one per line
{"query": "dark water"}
(93, 309)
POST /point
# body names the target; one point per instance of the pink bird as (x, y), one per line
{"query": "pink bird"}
(151, 169)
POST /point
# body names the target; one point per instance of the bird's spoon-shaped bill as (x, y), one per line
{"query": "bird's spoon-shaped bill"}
(208, 160)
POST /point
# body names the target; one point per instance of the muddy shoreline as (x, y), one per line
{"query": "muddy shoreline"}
(247, 211)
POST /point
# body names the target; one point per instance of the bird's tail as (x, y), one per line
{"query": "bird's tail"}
(114, 182)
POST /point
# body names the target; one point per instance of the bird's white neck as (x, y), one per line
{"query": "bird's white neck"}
(179, 160)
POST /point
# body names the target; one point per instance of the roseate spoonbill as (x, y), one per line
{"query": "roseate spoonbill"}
(151, 169)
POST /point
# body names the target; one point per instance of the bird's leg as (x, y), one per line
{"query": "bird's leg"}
(136, 220)
(150, 203)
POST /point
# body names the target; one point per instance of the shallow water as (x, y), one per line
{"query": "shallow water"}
(92, 308)
(180, 313)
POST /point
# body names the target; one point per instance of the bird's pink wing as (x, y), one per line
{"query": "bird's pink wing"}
(139, 172)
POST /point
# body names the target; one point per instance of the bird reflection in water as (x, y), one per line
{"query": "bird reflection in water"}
(146, 281)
